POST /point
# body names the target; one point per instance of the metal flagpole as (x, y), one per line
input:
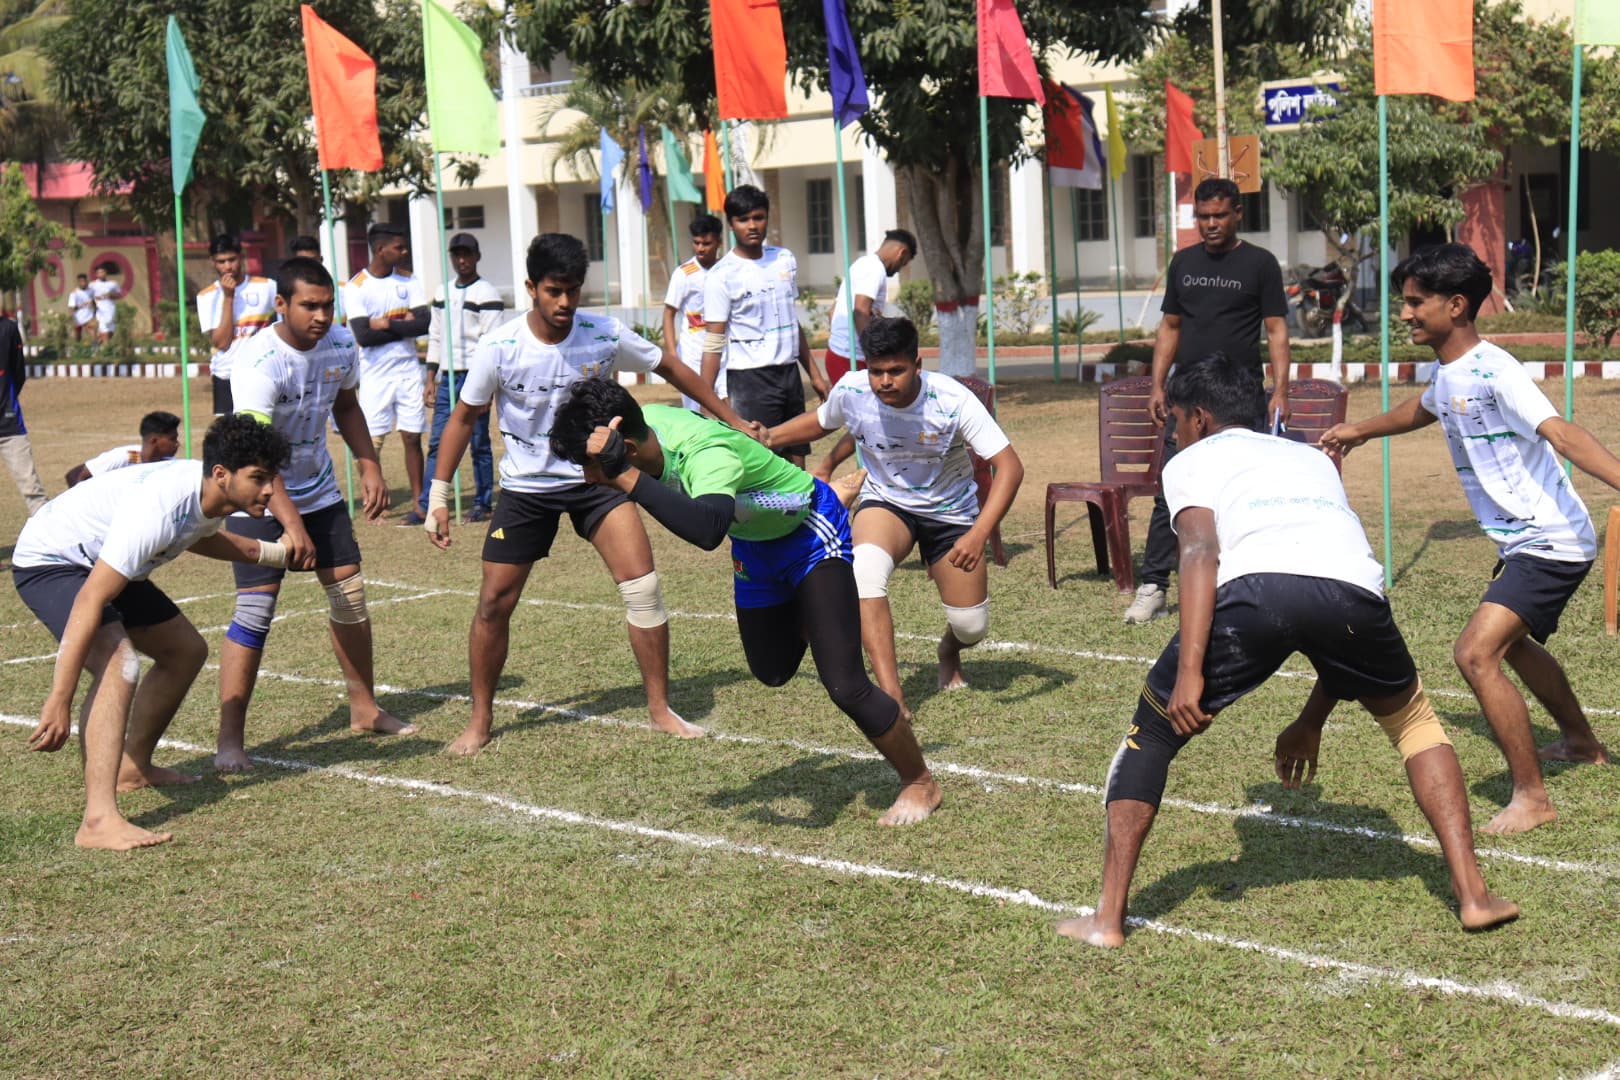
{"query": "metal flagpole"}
(843, 238)
(1051, 263)
(1074, 232)
(337, 301)
(1113, 224)
(989, 276)
(449, 323)
(180, 307)
(1569, 260)
(1383, 316)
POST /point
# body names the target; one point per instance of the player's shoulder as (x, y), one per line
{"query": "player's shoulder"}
(257, 279)
(505, 337)
(338, 337)
(360, 279)
(690, 267)
(208, 290)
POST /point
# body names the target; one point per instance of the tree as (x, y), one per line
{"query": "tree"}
(920, 59)
(258, 147)
(31, 125)
(27, 237)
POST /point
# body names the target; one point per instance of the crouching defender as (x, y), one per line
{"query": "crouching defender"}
(292, 377)
(81, 565)
(914, 429)
(1273, 561)
(790, 545)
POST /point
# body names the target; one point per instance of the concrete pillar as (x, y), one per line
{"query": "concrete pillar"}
(630, 252)
(1026, 221)
(1485, 230)
(877, 181)
(425, 254)
(522, 211)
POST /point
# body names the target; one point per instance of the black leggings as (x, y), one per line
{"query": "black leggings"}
(825, 613)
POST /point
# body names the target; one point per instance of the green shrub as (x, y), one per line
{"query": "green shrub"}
(1019, 303)
(1524, 320)
(1131, 352)
(1069, 326)
(1597, 294)
(916, 302)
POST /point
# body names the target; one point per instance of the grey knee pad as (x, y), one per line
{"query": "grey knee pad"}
(969, 625)
(251, 623)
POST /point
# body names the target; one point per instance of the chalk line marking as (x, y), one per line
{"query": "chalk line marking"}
(1503, 992)
(1611, 1071)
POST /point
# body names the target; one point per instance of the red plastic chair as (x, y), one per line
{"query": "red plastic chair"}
(982, 472)
(1316, 405)
(1131, 449)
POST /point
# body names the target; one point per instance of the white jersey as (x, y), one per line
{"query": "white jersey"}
(755, 299)
(254, 307)
(685, 296)
(366, 297)
(119, 457)
(867, 277)
(296, 390)
(105, 294)
(83, 305)
(1490, 410)
(475, 310)
(916, 457)
(526, 379)
(1279, 508)
(134, 520)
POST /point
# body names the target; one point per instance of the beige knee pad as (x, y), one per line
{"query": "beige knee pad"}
(347, 599)
(873, 567)
(1414, 728)
(643, 601)
(969, 625)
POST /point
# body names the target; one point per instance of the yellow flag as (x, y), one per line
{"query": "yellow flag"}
(1116, 138)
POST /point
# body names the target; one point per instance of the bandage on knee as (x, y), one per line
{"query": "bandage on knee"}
(250, 625)
(873, 567)
(347, 599)
(1142, 765)
(1414, 728)
(643, 601)
(969, 624)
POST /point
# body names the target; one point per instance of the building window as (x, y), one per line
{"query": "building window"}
(593, 226)
(1144, 198)
(1308, 221)
(463, 217)
(818, 203)
(1090, 213)
(1256, 211)
(998, 207)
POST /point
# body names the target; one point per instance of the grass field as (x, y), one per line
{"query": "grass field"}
(591, 898)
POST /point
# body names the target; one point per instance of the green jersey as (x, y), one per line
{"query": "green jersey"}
(705, 457)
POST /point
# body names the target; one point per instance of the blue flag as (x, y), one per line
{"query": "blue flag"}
(844, 73)
(644, 172)
(612, 154)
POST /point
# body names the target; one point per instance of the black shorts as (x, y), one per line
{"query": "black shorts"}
(329, 528)
(772, 395)
(223, 403)
(1347, 633)
(49, 592)
(934, 539)
(1535, 589)
(525, 522)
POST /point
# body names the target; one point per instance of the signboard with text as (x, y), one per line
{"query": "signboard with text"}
(1288, 103)
(1243, 161)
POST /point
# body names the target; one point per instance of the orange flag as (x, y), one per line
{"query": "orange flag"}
(1179, 130)
(343, 89)
(750, 59)
(1006, 68)
(714, 174)
(1424, 47)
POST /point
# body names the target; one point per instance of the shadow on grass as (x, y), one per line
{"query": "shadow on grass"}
(1271, 856)
(825, 785)
(1498, 787)
(988, 672)
(1439, 532)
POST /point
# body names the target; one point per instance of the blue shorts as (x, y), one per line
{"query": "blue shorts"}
(768, 571)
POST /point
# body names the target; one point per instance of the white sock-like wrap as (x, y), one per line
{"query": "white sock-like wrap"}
(643, 601)
(273, 554)
(873, 566)
(441, 493)
(969, 625)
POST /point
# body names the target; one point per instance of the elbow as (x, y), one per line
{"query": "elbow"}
(712, 541)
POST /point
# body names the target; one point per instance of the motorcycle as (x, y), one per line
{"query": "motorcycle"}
(1314, 296)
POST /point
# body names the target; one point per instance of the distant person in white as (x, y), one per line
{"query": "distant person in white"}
(81, 565)
(160, 441)
(83, 305)
(106, 294)
(683, 304)
(915, 428)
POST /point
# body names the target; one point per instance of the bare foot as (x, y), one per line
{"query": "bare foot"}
(116, 834)
(382, 724)
(1520, 816)
(848, 487)
(469, 742)
(1594, 753)
(1493, 912)
(668, 720)
(1088, 930)
(950, 664)
(132, 777)
(916, 802)
(233, 759)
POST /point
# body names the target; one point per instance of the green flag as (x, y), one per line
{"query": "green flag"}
(682, 188)
(461, 108)
(1597, 22)
(185, 115)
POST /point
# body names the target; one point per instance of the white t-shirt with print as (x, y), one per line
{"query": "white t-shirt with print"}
(83, 305)
(755, 299)
(867, 277)
(916, 458)
(366, 297)
(134, 520)
(296, 389)
(119, 457)
(254, 307)
(685, 295)
(105, 294)
(1490, 410)
(1279, 507)
(526, 379)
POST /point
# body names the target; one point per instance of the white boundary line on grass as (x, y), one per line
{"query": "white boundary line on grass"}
(1611, 1071)
(1502, 992)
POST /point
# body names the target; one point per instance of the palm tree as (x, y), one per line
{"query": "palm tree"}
(31, 124)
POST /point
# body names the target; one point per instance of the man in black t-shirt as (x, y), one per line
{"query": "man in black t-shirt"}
(1218, 295)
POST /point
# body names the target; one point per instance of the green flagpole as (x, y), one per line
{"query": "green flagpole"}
(1113, 225)
(1569, 261)
(449, 323)
(1051, 265)
(1074, 230)
(337, 300)
(674, 242)
(989, 273)
(180, 307)
(646, 268)
(725, 134)
(1383, 317)
(1169, 215)
(843, 238)
(607, 261)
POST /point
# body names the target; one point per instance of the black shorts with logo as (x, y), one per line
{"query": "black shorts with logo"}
(1346, 632)
(329, 528)
(1536, 590)
(934, 539)
(223, 402)
(49, 592)
(525, 522)
(771, 395)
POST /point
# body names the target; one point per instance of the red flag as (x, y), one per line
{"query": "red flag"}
(343, 89)
(750, 59)
(1006, 68)
(714, 174)
(1179, 131)
(1065, 138)
(1424, 48)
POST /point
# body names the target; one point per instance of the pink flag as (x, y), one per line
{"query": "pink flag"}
(1006, 68)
